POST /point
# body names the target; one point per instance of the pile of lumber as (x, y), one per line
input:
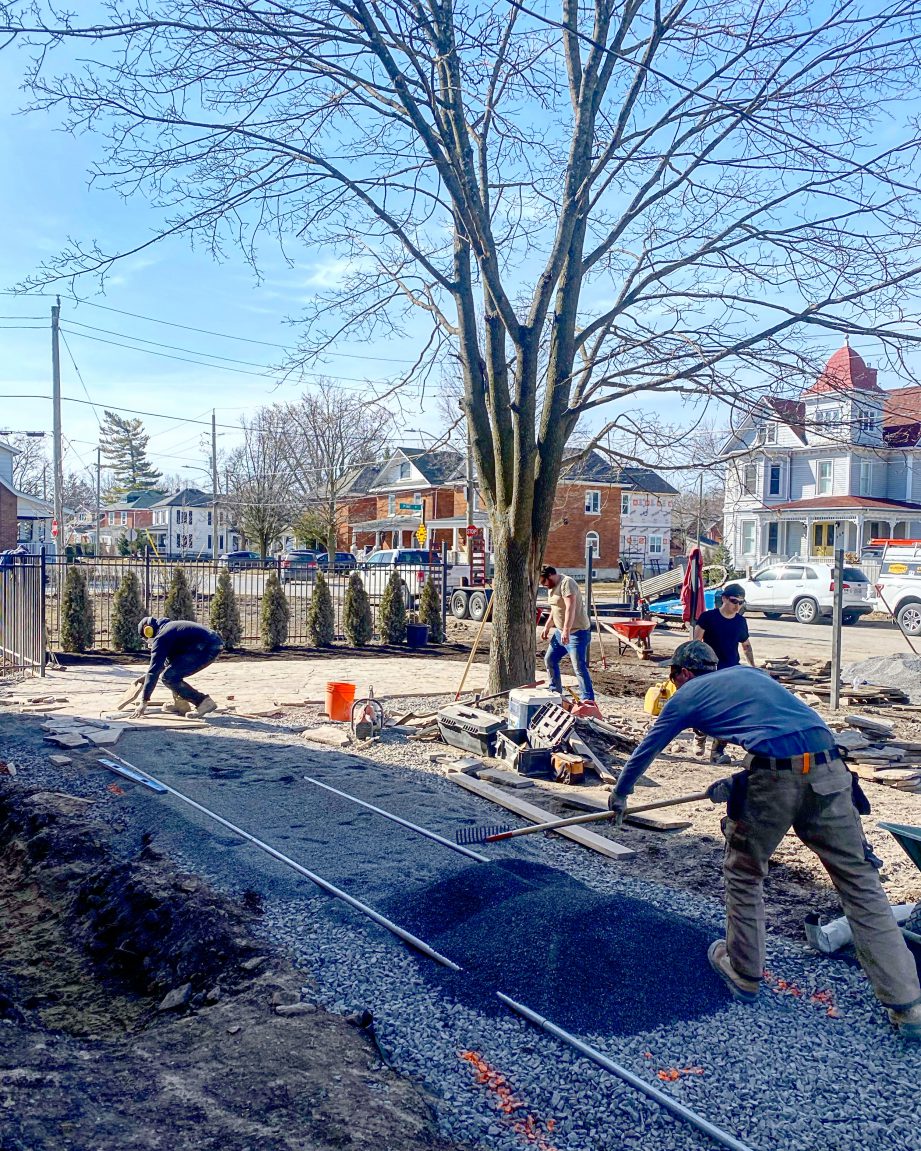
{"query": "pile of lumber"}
(813, 678)
(874, 753)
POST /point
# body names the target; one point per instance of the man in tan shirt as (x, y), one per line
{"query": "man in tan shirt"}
(572, 630)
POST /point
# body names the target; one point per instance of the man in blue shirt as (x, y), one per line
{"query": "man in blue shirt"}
(795, 778)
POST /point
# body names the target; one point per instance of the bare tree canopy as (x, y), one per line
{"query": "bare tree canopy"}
(30, 466)
(589, 201)
(259, 494)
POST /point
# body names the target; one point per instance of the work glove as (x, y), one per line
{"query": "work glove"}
(138, 711)
(618, 804)
(720, 790)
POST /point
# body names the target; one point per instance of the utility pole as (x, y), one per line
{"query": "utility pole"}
(56, 404)
(213, 485)
(98, 495)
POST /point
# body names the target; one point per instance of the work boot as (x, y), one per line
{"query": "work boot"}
(179, 706)
(206, 706)
(907, 1022)
(745, 990)
(700, 748)
(720, 760)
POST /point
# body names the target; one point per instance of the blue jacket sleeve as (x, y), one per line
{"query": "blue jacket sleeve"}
(158, 657)
(672, 720)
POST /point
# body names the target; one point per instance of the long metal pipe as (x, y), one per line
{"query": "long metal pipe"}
(666, 1101)
(330, 889)
(402, 822)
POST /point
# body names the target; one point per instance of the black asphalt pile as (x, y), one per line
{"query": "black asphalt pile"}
(605, 964)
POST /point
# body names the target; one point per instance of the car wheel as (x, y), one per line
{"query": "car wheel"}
(849, 618)
(806, 610)
(459, 605)
(772, 614)
(909, 618)
(478, 603)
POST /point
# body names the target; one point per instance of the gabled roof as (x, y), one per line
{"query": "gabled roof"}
(902, 406)
(593, 468)
(360, 480)
(845, 502)
(845, 371)
(135, 501)
(437, 467)
(187, 498)
(902, 435)
(792, 413)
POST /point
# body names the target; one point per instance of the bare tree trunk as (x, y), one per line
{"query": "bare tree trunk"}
(513, 655)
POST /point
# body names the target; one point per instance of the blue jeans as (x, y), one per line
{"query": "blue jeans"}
(577, 650)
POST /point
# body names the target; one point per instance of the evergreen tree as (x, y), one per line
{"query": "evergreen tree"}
(430, 611)
(321, 619)
(225, 614)
(125, 451)
(77, 622)
(357, 621)
(274, 614)
(127, 613)
(391, 615)
(179, 603)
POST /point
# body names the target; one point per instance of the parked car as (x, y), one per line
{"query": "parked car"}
(238, 561)
(898, 586)
(807, 591)
(413, 564)
(297, 563)
(343, 562)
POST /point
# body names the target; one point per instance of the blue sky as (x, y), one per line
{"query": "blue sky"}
(45, 200)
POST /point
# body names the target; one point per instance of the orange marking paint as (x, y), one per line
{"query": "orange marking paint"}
(529, 1129)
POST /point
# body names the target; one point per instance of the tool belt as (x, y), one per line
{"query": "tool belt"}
(799, 763)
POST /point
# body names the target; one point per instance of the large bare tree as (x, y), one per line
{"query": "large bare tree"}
(261, 502)
(589, 202)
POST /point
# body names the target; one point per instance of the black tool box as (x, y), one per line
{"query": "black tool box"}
(469, 728)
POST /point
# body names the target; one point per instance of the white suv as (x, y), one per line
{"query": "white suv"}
(413, 564)
(807, 591)
(898, 587)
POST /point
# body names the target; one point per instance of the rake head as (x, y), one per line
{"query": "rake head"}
(468, 835)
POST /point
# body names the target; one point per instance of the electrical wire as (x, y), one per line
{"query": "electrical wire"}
(80, 376)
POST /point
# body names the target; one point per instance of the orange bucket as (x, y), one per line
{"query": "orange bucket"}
(339, 700)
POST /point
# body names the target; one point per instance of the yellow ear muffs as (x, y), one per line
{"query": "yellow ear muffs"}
(149, 632)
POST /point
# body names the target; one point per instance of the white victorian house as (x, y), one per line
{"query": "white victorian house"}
(841, 464)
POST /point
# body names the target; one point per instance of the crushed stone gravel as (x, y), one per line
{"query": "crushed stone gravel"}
(902, 671)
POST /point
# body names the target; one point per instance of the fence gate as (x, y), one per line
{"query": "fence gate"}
(22, 615)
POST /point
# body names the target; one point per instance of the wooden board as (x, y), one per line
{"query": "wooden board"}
(539, 815)
(580, 747)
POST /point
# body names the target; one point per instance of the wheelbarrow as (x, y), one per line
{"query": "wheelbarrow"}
(909, 839)
(633, 633)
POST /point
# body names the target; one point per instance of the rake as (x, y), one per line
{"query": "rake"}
(469, 835)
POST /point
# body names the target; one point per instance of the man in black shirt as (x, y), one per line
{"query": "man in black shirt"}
(178, 648)
(725, 630)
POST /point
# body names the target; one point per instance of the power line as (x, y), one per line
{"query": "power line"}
(130, 411)
(80, 376)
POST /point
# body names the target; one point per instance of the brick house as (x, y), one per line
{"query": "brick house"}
(24, 519)
(130, 517)
(415, 486)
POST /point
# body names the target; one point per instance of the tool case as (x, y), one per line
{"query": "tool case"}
(469, 728)
(512, 746)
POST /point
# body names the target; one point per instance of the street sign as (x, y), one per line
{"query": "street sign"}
(421, 534)
(473, 532)
(409, 507)
(54, 529)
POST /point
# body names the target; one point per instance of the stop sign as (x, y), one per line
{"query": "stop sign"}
(54, 529)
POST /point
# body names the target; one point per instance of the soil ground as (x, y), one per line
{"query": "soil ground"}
(89, 1057)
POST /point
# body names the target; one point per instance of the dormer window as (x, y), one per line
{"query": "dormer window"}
(828, 417)
(404, 471)
(770, 433)
(867, 422)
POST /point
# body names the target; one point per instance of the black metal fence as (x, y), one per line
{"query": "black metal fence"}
(22, 615)
(105, 575)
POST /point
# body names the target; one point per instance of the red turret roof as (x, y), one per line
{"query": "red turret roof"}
(845, 371)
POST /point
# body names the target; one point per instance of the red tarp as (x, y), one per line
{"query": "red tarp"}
(693, 603)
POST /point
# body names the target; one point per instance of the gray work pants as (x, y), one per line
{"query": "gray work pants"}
(818, 807)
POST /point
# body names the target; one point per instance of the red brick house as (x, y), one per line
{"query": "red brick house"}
(416, 486)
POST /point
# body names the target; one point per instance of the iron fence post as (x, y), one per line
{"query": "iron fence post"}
(147, 579)
(444, 587)
(43, 639)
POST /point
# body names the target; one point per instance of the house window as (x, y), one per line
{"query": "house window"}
(624, 504)
(209, 524)
(770, 433)
(867, 422)
(772, 538)
(748, 537)
(124, 518)
(220, 542)
(593, 504)
(404, 471)
(593, 541)
(655, 545)
(209, 543)
(391, 505)
(111, 519)
(828, 417)
(178, 540)
(749, 478)
(823, 478)
(866, 477)
(775, 479)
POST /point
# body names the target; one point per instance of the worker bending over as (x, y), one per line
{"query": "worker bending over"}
(793, 777)
(178, 648)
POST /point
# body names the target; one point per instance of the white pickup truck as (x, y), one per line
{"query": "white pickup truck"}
(415, 565)
(898, 585)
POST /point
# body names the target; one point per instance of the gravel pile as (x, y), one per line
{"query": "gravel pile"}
(902, 671)
(587, 942)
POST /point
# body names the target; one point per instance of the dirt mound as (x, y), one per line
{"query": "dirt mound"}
(135, 1002)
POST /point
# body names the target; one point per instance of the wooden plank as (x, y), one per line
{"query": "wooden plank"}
(580, 747)
(539, 815)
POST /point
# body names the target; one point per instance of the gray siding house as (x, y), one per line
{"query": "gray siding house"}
(840, 465)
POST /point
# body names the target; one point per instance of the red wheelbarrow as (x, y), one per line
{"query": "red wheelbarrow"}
(633, 633)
